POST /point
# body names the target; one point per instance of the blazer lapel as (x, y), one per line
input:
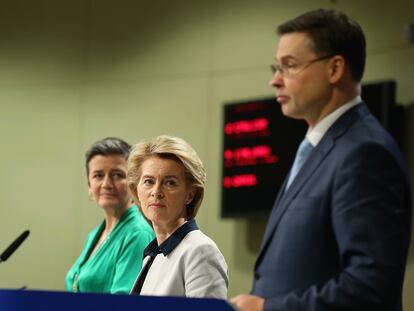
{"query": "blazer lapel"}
(285, 197)
(312, 163)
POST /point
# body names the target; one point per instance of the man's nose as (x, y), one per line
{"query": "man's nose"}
(276, 80)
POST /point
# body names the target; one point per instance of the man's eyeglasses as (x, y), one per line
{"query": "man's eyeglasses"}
(289, 70)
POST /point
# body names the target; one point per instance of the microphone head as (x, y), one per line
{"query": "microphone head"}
(11, 249)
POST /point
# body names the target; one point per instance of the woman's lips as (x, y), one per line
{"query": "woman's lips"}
(108, 194)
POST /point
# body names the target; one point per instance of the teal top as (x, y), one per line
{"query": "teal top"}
(115, 265)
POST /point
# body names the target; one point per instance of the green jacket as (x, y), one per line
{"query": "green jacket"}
(114, 266)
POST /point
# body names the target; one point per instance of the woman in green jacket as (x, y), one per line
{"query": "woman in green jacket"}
(112, 255)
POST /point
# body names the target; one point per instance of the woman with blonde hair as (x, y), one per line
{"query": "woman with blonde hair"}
(166, 178)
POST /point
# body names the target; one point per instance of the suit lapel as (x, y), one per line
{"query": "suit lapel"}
(316, 157)
(285, 197)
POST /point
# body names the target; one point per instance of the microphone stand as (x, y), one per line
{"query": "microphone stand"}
(12, 248)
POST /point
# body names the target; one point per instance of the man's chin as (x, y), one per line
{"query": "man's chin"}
(287, 111)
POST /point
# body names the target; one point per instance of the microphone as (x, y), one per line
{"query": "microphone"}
(12, 248)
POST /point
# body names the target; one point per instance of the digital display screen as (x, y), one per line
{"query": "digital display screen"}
(259, 145)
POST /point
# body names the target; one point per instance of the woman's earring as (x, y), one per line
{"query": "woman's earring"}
(90, 195)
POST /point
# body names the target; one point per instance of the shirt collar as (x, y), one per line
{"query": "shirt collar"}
(173, 240)
(316, 133)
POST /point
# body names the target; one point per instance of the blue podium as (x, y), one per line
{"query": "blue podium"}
(19, 300)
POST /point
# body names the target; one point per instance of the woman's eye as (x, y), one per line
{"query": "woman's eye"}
(147, 181)
(119, 175)
(171, 183)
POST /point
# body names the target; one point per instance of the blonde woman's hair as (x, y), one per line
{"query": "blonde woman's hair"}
(169, 147)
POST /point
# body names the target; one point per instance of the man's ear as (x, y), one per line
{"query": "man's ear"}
(336, 68)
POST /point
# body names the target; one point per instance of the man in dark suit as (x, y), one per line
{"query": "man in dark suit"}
(338, 234)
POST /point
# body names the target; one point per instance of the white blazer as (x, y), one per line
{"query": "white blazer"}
(195, 268)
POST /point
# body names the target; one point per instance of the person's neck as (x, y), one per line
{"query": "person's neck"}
(164, 230)
(340, 96)
(112, 216)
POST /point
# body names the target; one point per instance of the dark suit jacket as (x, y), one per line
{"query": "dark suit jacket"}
(337, 239)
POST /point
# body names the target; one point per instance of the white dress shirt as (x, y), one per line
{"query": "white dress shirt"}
(315, 134)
